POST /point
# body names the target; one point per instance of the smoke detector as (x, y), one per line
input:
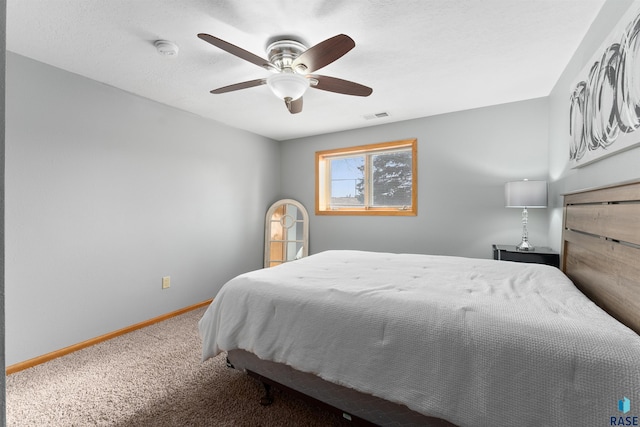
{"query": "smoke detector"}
(166, 48)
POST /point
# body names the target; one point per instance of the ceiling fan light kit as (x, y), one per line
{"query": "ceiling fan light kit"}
(292, 62)
(288, 85)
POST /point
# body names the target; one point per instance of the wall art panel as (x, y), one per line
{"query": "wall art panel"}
(604, 111)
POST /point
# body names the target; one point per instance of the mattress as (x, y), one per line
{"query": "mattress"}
(471, 341)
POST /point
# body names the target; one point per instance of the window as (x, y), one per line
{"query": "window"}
(375, 179)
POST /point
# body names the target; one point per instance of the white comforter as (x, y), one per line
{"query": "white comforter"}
(476, 342)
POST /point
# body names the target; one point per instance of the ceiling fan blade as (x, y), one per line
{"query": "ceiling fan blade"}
(324, 53)
(333, 84)
(238, 86)
(294, 106)
(237, 51)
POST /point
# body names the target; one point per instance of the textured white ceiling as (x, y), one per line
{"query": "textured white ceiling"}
(421, 57)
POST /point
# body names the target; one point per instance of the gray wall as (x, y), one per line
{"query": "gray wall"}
(3, 34)
(617, 168)
(106, 193)
(464, 159)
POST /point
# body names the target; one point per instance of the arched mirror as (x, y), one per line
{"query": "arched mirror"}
(286, 232)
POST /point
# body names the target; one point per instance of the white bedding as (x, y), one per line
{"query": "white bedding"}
(476, 342)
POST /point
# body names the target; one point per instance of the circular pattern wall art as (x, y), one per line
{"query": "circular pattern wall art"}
(604, 111)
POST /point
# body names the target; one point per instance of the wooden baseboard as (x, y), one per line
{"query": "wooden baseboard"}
(75, 347)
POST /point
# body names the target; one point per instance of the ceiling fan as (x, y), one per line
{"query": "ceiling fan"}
(291, 62)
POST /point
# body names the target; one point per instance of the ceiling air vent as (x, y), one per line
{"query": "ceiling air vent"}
(377, 115)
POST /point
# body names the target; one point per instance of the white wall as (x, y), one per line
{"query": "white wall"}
(107, 192)
(617, 168)
(464, 159)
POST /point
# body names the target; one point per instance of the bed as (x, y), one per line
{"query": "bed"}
(408, 339)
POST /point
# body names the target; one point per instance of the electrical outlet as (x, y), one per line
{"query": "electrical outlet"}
(166, 282)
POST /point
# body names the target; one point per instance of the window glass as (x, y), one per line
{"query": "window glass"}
(392, 177)
(347, 181)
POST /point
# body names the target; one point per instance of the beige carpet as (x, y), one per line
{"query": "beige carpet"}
(150, 377)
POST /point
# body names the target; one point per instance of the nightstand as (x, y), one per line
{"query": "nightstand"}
(541, 255)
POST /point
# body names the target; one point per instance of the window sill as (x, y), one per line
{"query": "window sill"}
(370, 212)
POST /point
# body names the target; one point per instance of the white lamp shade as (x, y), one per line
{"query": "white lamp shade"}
(288, 85)
(525, 194)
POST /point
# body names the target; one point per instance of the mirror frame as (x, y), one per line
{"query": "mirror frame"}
(267, 229)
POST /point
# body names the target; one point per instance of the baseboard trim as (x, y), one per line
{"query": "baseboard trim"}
(20, 366)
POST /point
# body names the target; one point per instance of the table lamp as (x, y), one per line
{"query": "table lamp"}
(525, 194)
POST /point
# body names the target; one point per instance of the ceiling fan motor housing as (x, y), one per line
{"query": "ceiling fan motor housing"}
(281, 53)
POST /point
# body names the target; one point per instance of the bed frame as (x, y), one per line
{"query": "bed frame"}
(600, 253)
(353, 406)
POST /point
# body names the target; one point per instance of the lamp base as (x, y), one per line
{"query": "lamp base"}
(525, 246)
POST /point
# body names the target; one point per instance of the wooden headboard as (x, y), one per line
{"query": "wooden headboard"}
(601, 248)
